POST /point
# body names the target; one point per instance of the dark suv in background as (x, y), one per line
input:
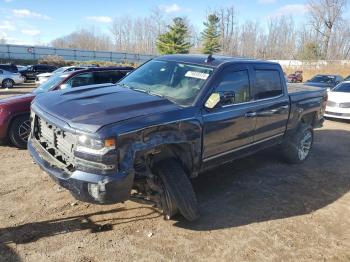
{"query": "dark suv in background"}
(32, 71)
(9, 67)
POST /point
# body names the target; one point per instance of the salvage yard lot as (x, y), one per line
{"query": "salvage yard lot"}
(257, 209)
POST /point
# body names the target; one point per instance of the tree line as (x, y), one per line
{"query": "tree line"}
(325, 34)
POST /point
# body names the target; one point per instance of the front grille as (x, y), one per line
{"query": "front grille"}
(57, 142)
(331, 104)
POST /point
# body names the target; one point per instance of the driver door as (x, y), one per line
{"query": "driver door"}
(229, 126)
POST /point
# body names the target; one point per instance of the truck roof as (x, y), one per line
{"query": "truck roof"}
(215, 61)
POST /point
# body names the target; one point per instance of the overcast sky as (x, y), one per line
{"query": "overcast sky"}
(40, 21)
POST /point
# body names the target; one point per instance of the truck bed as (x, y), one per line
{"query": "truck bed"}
(298, 92)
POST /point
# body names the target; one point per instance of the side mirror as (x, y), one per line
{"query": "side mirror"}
(64, 86)
(228, 98)
(212, 101)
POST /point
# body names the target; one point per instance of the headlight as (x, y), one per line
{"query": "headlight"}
(95, 146)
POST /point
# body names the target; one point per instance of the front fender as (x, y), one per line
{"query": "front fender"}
(140, 142)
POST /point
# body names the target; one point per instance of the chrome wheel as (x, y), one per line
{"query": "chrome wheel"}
(24, 131)
(305, 145)
(7, 83)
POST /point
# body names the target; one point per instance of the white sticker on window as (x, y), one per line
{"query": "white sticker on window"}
(198, 75)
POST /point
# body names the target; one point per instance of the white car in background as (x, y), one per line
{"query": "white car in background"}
(9, 79)
(338, 105)
(41, 78)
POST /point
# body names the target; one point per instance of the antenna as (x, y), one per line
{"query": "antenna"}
(209, 59)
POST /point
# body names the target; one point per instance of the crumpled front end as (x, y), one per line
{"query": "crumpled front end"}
(90, 178)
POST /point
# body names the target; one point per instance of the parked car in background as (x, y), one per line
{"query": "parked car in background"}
(296, 77)
(22, 67)
(347, 78)
(9, 68)
(41, 78)
(9, 79)
(338, 105)
(14, 111)
(32, 71)
(325, 81)
(169, 120)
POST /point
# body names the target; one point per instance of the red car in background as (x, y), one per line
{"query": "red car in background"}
(296, 77)
(15, 111)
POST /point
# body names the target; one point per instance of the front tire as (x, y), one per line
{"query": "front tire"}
(19, 131)
(297, 145)
(178, 194)
(7, 83)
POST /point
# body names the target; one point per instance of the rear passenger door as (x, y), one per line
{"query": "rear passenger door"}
(271, 103)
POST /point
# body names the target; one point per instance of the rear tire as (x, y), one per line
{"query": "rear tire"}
(7, 83)
(178, 191)
(297, 145)
(19, 131)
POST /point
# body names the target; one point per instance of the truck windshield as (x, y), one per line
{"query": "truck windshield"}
(178, 82)
(49, 84)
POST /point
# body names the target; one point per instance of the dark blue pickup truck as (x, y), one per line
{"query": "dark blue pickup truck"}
(166, 122)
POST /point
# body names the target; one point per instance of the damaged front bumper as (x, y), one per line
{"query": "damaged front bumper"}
(84, 186)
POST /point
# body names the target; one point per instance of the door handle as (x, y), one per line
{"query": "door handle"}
(250, 114)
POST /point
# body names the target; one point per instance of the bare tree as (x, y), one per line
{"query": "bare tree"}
(137, 34)
(89, 39)
(325, 15)
(229, 32)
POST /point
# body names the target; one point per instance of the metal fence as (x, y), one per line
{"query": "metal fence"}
(27, 52)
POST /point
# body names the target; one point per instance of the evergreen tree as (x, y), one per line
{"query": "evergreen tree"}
(211, 35)
(175, 40)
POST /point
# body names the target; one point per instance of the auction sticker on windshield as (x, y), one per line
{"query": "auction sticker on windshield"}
(198, 75)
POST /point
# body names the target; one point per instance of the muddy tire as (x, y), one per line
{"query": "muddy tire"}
(19, 131)
(297, 145)
(178, 192)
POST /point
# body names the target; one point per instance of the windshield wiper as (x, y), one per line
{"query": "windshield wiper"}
(134, 88)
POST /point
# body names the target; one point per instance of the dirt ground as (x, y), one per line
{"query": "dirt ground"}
(254, 209)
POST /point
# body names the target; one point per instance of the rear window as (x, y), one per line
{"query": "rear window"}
(108, 76)
(268, 84)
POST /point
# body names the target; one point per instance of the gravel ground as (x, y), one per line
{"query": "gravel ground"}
(254, 209)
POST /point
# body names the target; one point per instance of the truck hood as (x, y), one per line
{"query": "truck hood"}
(92, 107)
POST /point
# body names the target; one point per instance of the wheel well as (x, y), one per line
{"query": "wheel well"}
(309, 118)
(181, 152)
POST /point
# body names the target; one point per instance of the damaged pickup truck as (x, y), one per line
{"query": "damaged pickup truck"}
(166, 122)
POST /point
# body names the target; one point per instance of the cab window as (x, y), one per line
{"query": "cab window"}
(268, 84)
(81, 80)
(236, 83)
